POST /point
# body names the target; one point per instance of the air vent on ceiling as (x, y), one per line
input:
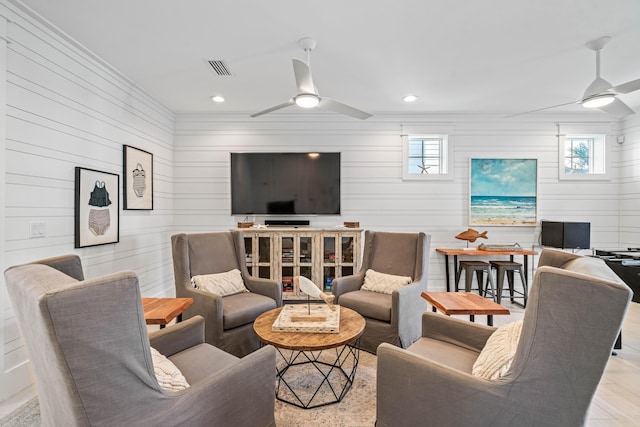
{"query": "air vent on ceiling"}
(220, 67)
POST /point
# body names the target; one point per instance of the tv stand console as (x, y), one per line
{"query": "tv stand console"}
(319, 254)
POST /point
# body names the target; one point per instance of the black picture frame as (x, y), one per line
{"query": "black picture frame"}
(97, 207)
(137, 179)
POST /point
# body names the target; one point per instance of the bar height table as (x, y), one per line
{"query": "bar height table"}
(455, 252)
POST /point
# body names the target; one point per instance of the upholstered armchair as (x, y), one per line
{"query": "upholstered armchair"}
(574, 312)
(90, 352)
(228, 319)
(390, 318)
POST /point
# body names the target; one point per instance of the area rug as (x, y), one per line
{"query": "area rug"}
(26, 415)
(357, 408)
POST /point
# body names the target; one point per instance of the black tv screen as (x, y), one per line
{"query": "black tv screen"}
(566, 235)
(552, 234)
(285, 183)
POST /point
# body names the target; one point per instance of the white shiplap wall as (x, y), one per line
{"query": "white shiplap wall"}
(66, 108)
(630, 183)
(373, 192)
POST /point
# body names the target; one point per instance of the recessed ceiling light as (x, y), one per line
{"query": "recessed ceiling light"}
(410, 98)
(217, 98)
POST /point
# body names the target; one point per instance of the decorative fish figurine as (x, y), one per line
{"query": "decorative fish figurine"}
(310, 288)
(471, 235)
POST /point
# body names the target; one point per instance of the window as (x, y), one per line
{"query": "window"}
(583, 157)
(427, 157)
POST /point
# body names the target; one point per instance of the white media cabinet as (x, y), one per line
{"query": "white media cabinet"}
(280, 253)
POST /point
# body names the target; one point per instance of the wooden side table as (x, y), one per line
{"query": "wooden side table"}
(160, 311)
(464, 303)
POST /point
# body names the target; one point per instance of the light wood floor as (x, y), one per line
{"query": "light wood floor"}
(617, 399)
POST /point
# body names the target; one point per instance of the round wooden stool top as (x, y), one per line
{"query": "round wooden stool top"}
(351, 327)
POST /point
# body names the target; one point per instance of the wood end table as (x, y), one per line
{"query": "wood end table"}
(160, 311)
(464, 303)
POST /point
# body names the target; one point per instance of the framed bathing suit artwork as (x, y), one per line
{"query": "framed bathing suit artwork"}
(503, 191)
(97, 208)
(137, 179)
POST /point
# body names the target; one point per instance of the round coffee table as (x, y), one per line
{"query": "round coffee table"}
(329, 360)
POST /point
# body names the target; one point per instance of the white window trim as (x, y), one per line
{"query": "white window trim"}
(449, 175)
(606, 176)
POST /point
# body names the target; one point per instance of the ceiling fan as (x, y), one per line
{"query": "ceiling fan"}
(600, 93)
(308, 96)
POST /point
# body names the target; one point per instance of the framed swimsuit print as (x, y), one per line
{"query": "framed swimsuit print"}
(97, 208)
(137, 179)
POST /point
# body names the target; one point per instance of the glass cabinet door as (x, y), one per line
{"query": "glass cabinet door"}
(347, 249)
(329, 248)
(288, 251)
(328, 276)
(248, 253)
(264, 257)
(264, 249)
(287, 279)
(306, 250)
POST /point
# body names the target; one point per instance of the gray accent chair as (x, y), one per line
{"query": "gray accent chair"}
(90, 353)
(573, 316)
(395, 318)
(228, 319)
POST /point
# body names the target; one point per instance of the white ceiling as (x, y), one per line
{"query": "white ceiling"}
(458, 56)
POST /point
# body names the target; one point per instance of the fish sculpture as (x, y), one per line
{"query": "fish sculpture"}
(310, 288)
(471, 235)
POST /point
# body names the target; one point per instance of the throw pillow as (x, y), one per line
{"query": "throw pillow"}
(497, 355)
(228, 283)
(168, 375)
(383, 283)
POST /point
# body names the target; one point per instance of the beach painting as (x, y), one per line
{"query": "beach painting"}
(503, 191)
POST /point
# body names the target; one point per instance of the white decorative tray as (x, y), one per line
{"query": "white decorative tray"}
(291, 319)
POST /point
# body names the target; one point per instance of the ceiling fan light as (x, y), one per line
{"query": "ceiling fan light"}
(599, 100)
(307, 100)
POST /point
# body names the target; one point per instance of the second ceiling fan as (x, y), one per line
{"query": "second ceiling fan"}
(307, 96)
(600, 93)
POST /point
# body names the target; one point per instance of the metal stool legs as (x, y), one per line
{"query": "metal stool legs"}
(508, 268)
(479, 268)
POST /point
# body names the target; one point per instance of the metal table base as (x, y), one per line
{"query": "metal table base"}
(333, 370)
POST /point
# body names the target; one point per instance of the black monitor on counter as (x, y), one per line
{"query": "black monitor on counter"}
(566, 235)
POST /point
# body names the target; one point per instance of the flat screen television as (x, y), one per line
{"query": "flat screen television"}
(566, 235)
(285, 183)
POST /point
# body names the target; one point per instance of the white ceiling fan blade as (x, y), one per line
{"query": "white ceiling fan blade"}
(304, 82)
(617, 108)
(544, 108)
(627, 87)
(274, 108)
(338, 107)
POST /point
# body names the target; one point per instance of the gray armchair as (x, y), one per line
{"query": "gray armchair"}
(228, 319)
(574, 312)
(395, 318)
(90, 352)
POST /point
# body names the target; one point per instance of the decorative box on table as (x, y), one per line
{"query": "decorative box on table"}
(308, 318)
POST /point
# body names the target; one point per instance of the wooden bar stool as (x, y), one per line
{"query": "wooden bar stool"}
(479, 268)
(508, 268)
